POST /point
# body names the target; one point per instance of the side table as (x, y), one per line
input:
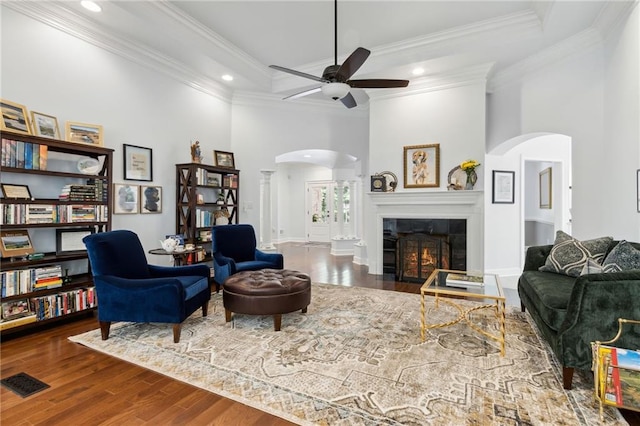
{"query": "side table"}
(179, 257)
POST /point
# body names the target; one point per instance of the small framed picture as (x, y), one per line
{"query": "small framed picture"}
(503, 187)
(15, 309)
(422, 166)
(15, 191)
(378, 183)
(224, 159)
(15, 243)
(545, 188)
(138, 163)
(69, 241)
(150, 199)
(14, 117)
(125, 198)
(89, 134)
(45, 125)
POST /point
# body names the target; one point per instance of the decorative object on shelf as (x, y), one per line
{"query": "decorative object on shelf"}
(220, 200)
(89, 166)
(422, 166)
(125, 198)
(138, 163)
(224, 159)
(221, 216)
(545, 188)
(89, 134)
(18, 192)
(15, 243)
(391, 180)
(456, 179)
(151, 199)
(170, 244)
(503, 187)
(14, 117)
(469, 167)
(69, 241)
(45, 125)
(196, 152)
(378, 183)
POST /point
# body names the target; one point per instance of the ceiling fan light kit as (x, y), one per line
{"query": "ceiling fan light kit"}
(335, 90)
(336, 78)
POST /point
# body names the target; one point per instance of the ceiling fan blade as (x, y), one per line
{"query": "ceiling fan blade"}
(305, 93)
(377, 83)
(349, 101)
(298, 73)
(352, 64)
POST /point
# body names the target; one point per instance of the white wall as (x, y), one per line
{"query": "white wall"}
(54, 73)
(265, 128)
(504, 223)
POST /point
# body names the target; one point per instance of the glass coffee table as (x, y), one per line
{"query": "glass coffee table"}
(448, 286)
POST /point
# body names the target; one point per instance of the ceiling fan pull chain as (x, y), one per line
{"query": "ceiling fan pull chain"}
(335, 32)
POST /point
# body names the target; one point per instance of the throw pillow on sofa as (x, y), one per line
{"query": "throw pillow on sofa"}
(622, 258)
(569, 255)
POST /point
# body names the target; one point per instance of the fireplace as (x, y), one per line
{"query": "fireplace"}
(413, 248)
(388, 211)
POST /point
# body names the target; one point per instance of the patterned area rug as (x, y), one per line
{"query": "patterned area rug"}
(356, 358)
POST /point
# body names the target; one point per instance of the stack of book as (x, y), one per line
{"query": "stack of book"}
(100, 189)
(230, 181)
(78, 193)
(40, 213)
(48, 276)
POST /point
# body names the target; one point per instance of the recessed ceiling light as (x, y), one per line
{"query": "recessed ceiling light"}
(307, 156)
(227, 77)
(418, 71)
(91, 5)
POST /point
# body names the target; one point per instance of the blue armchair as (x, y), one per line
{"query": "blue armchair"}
(234, 250)
(129, 289)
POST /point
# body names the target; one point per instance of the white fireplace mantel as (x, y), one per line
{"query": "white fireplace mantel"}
(467, 205)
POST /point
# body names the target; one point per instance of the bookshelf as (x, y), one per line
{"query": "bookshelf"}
(205, 196)
(51, 199)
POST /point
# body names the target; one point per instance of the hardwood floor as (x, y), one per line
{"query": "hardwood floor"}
(88, 387)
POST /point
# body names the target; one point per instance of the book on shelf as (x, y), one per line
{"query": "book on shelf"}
(44, 156)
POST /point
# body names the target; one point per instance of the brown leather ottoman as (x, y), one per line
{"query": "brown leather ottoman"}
(266, 292)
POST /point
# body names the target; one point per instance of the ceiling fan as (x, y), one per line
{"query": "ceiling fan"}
(336, 78)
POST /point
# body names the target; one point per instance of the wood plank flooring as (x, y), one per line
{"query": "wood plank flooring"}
(89, 388)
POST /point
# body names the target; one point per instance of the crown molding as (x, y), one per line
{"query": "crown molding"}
(508, 26)
(66, 20)
(578, 43)
(462, 77)
(258, 70)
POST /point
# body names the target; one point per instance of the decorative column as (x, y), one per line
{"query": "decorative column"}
(265, 210)
(351, 232)
(340, 212)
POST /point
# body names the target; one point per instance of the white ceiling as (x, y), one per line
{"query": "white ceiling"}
(199, 41)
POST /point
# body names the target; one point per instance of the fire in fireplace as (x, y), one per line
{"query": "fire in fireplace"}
(413, 248)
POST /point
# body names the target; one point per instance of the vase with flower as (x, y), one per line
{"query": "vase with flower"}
(469, 168)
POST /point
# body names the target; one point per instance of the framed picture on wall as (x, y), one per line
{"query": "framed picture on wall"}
(503, 187)
(545, 188)
(138, 163)
(422, 166)
(150, 199)
(125, 198)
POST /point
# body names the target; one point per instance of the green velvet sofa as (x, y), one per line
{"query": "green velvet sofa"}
(570, 313)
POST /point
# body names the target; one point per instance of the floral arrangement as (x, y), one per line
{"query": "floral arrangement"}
(469, 165)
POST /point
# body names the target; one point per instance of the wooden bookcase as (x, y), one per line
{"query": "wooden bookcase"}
(54, 227)
(202, 193)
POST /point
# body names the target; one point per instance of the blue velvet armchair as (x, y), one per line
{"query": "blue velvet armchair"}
(129, 289)
(234, 250)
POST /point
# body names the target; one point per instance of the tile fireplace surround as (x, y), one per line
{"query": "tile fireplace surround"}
(466, 205)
